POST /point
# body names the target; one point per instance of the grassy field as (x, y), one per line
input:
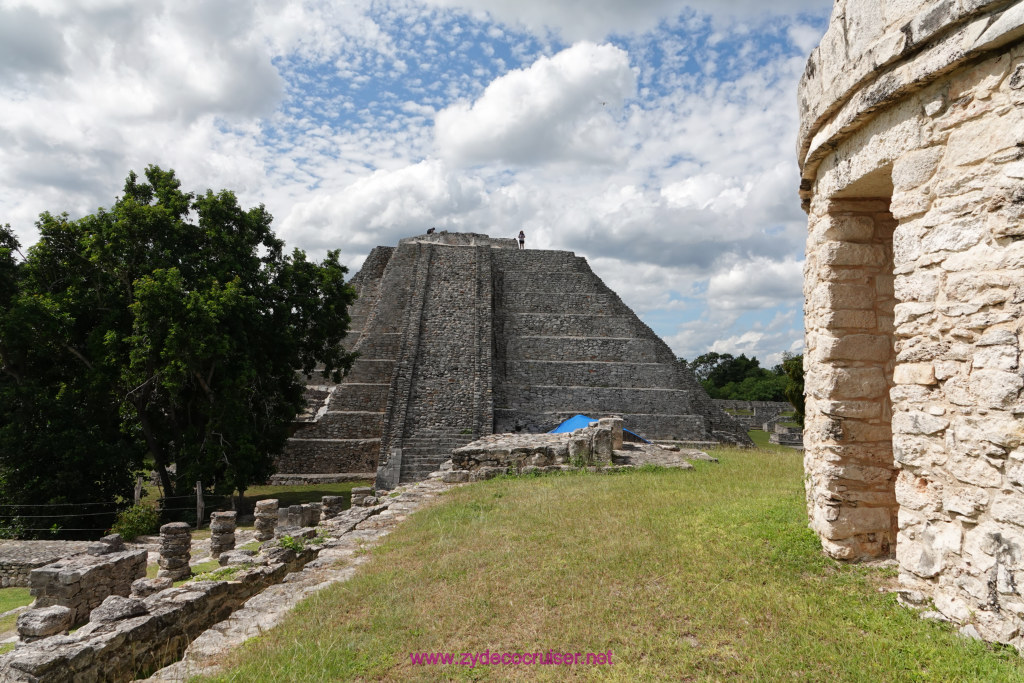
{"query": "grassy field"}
(701, 575)
(9, 599)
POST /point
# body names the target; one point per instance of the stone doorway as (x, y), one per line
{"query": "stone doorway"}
(850, 361)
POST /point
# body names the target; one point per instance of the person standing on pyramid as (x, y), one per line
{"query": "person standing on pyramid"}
(522, 240)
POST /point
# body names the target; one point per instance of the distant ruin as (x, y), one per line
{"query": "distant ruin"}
(911, 149)
(462, 335)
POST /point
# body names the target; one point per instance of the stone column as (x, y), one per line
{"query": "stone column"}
(175, 547)
(333, 506)
(603, 439)
(222, 532)
(848, 367)
(266, 519)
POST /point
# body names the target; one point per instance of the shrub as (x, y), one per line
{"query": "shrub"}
(138, 520)
(295, 544)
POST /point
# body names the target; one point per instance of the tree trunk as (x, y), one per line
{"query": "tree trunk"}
(157, 451)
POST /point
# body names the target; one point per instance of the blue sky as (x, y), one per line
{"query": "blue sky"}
(655, 137)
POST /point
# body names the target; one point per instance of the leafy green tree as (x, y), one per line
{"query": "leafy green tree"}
(704, 364)
(793, 366)
(740, 378)
(61, 441)
(173, 325)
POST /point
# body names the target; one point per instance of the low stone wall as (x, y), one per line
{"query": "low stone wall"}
(126, 637)
(19, 558)
(82, 582)
(305, 479)
(298, 516)
(753, 414)
(787, 436)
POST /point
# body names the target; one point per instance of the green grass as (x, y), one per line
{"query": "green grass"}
(9, 599)
(13, 597)
(760, 439)
(709, 574)
(201, 568)
(296, 495)
(6, 647)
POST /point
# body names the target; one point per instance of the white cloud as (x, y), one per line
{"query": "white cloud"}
(596, 19)
(758, 283)
(560, 108)
(362, 122)
(383, 207)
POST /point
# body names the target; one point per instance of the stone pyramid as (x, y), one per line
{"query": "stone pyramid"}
(460, 335)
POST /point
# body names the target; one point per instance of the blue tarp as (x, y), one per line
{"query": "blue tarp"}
(581, 421)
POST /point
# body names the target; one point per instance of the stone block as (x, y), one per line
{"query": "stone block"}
(974, 470)
(846, 228)
(850, 521)
(996, 388)
(923, 551)
(855, 320)
(916, 422)
(914, 373)
(332, 506)
(832, 296)
(851, 254)
(857, 347)
(846, 383)
(915, 168)
(106, 545)
(44, 622)
(918, 493)
(143, 588)
(117, 607)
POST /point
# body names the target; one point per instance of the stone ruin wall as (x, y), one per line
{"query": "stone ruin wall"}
(19, 558)
(461, 335)
(912, 155)
(754, 414)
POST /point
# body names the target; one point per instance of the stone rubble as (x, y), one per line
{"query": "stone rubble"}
(298, 516)
(598, 446)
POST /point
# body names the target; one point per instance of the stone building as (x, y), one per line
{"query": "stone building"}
(911, 148)
(460, 335)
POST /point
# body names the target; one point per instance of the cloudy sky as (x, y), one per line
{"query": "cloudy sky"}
(654, 137)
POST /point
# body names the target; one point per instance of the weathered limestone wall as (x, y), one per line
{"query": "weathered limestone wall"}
(927, 149)
(849, 366)
(82, 582)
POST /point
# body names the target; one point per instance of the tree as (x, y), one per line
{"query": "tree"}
(179, 321)
(60, 440)
(740, 378)
(704, 364)
(793, 366)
